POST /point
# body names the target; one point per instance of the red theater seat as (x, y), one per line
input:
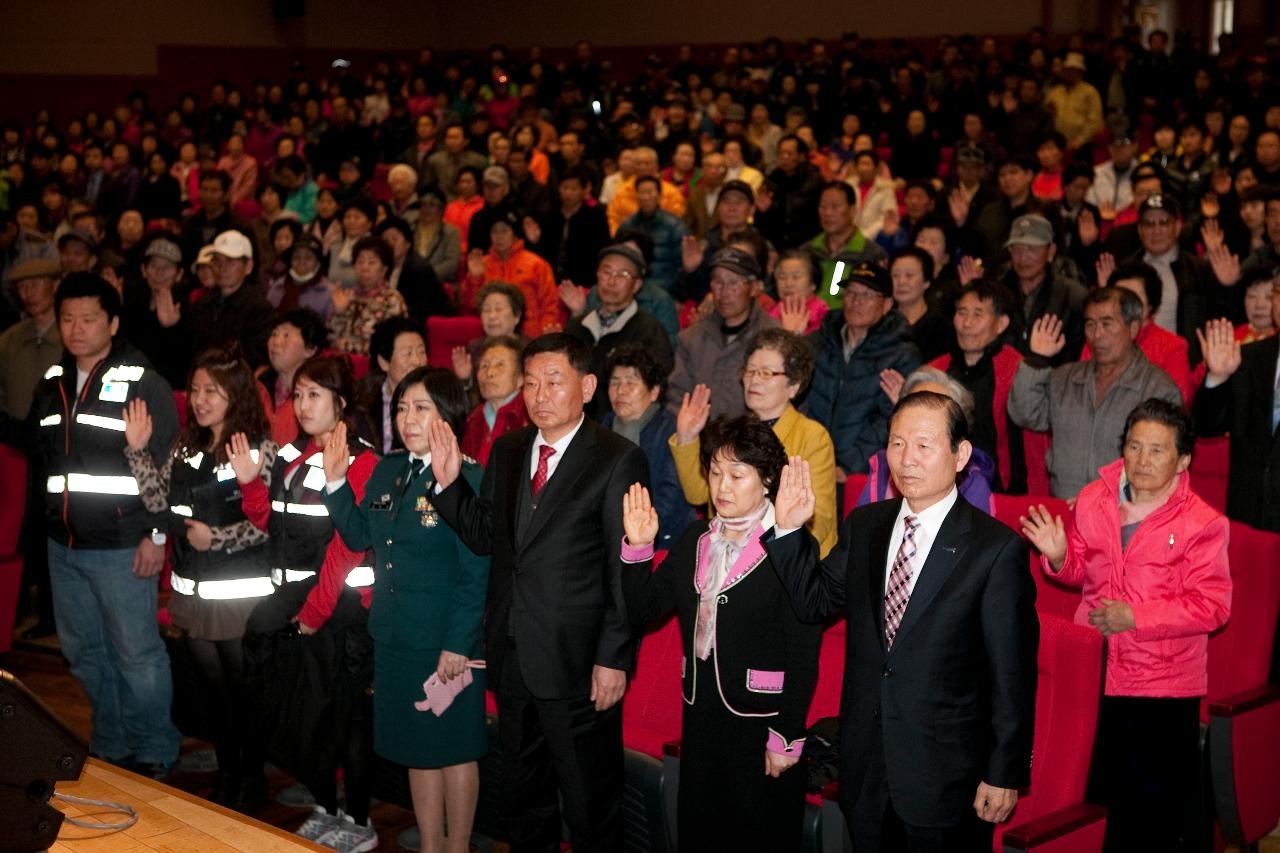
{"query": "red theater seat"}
(853, 487)
(13, 485)
(1051, 815)
(1244, 710)
(1035, 445)
(1052, 596)
(1209, 466)
(445, 333)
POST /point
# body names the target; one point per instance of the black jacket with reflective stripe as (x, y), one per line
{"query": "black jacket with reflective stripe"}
(92, 496)
(202, 490)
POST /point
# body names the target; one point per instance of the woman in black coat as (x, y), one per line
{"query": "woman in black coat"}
(750, 664)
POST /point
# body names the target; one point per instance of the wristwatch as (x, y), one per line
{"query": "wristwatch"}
(158, 537)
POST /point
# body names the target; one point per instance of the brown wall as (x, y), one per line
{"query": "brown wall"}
(122, 37)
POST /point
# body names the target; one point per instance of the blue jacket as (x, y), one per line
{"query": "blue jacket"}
(666, 231)
(845, 397)
(674, 512)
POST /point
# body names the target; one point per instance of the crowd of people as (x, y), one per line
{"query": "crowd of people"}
(709, 296)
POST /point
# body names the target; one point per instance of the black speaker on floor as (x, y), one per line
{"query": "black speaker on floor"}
(37, 750)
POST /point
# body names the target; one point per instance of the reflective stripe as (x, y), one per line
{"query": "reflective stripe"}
(279, 576)
(123, 373)
(289, 453)
(194, 461)
(315, 510)
(101, 421)
(224, 590)
(92, 484)
(182, 510)
(53, 372)
(51, 420)
(316, 460)
(224, 472)
(360, 576)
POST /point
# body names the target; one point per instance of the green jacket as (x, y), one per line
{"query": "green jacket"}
(429, 589)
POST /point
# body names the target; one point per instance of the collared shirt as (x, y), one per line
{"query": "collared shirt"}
(26, 352)
(930, 523)
(1167, 314)
(332, 486)
(593, 324)
(491, 411)
(559, 446)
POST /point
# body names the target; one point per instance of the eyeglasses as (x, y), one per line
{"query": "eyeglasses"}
(615, 274)
(863, 296)
(761, 372)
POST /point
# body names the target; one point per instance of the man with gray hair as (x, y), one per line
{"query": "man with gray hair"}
(624, 203)
(1085, 403)
(1038, 290)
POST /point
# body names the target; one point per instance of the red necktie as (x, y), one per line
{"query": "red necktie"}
(545, 452)
(897, 594)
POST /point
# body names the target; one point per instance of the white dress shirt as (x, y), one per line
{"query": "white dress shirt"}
(1167, 314)
(559, 446)
(930, 522)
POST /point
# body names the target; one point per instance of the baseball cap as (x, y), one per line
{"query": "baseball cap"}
(971, 154)
(204, 257)
(738, 186)
(869, 275)
(496, 175)
(166, 250)
(629, 252)
(1157, 201)
(1030, 230)
(82, 236)
(1074, 60)
(232, 244)
(736, 260)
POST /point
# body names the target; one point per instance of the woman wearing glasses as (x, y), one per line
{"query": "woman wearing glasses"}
(778, 366)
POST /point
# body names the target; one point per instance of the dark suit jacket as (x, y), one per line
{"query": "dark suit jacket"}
(1200, 298)
(557, 590)
(1243, 406)
(955, 698)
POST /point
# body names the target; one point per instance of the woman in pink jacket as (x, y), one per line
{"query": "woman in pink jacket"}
(1152, 558)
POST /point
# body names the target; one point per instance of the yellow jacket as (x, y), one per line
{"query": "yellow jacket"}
(1077, 112)
(624, 203)
(800, 436)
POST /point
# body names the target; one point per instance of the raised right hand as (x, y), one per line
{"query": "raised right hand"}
(891, 382)
(969, 269)
(342, 298)
(1220, 348)
(794, 315)
(240, 455)
(1103, 268)
(137, 424)
(336, 454)
(532, 230)
(695, 409)
(446, 457)
(639, 518)
(461, 357)
(795, 503)
(691, 253)
(1047, 533)
(1047, 339)
(168, 312)
(959, 206)
(573, 297)
(475, 264)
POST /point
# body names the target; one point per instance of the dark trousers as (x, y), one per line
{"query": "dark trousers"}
(33, 544)
(875, 826)
(1146, 773)
(559, 755)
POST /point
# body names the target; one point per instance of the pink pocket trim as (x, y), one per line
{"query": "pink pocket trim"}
(765, 681)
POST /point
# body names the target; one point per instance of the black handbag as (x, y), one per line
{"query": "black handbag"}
(822, 753)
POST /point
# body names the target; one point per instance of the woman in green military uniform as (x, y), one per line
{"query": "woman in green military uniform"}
(427, 610)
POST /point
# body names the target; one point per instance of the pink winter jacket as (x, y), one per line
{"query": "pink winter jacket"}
(1174, 575)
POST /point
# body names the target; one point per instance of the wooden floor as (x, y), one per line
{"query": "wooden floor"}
(45, 673)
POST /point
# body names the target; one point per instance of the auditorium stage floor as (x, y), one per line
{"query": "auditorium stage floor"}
(45, 674)
(44, 671)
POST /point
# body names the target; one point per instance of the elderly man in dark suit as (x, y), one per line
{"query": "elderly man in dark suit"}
(938, 705)
(558, 640)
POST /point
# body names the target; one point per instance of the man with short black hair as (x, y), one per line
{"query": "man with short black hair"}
(1037, 290)
(788, 200)
(841, 245)
(213, 217)
(397, 347)
(237, 310)
(105, 549)
(572, 234)
(442, 165)
(559, 642)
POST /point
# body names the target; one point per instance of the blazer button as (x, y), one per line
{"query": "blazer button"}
(888, 671)
(388, 541)
(875, 715)
(388, 567)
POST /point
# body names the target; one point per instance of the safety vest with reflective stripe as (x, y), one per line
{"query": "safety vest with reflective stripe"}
(203, 490)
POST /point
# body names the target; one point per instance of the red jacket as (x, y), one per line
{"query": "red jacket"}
(1005, 364)
(477, 438)
(536, 281)
(1174, 575)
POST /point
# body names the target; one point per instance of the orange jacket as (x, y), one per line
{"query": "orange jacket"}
(535, 279)
(624, 204)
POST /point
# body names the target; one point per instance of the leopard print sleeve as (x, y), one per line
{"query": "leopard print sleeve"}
(153, 485)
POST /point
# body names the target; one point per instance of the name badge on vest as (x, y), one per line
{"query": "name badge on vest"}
(114, 392)
(430, 518)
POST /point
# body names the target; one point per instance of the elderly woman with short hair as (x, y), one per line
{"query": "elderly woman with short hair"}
(1151, 556)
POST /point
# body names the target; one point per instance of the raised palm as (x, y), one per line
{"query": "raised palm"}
(639, 518)
(137, 424)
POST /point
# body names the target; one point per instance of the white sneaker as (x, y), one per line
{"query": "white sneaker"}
(317, 824)
(350, 837)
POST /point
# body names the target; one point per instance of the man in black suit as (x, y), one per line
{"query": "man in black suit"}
(557, 635)
(1240, 396)
(940, 680)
